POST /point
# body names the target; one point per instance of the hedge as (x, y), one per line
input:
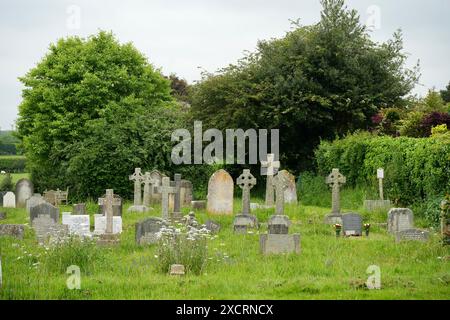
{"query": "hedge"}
(12, 163)
(415, 168)
(8, 149)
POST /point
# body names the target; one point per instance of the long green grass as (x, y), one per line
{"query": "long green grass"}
(327, 268)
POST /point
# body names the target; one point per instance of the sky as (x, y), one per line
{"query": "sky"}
(186, 37)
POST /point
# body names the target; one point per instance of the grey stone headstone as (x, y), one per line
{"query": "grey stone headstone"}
(212, 226)
(79, 225)
(186, 192)
(352, 224)
(243, 222)
(12, 230)
(220, 193)
(279, 224)
(156, 193)
(80, 209)
(44, 209)
(400, 219)
(290, 192)
(46, 228)
(34, 201)
(24, 191)
(412, 234)
(279, 243)
(117, 206)
(147, 231)
(9, 200)
(198, 204)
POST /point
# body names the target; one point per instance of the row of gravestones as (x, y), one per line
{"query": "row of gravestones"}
(24, 190)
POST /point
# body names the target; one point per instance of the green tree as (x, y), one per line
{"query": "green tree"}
(445, 94)
(92, 110)
(315, 83)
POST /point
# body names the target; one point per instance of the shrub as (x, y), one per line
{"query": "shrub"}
(6, 184)
(434, 119)
(13, 163)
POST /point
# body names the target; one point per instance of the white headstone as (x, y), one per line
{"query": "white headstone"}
(100, 224)
(78, 224)
(9, 200)
(220, 193)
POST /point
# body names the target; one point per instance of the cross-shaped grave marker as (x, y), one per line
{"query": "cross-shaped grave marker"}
(246, 181)
(149, 183)
(166, 190)
(269, 168)
(137, 177)
(335, 179)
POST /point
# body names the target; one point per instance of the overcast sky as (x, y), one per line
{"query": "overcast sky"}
(183, 36)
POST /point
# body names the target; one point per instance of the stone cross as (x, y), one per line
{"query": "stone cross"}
(246, 181)
(137, 177)
(380, 176)
(149, 183)
(108, 204)
(335, 180)
(177, 197)
(269, 168)
(166, 190)
(280, 183)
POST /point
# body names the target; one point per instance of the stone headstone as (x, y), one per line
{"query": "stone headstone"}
(279, 224)
(280, 182)
(412, 234)
(166, 191)
(177, 270)
(24, 191)
(243, 222)
(290, 193)
(34, 201)
(138, 180)
(79, 225)
(186, 192)
(335, 179)
(400, 219)
(47, 229)
(12, 230)
(156, 194)
(9, 200)
(80, 209)
(220, 193)
(100, 224)
(44, 209)
(246, 181)
(198, 204)
(177, 197)
(279, 243)
(148, 231)
(352, 224)
(269, 168)
(117, 205)
(212, 226)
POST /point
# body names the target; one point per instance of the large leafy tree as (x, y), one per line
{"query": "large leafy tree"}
(315, 83)
(92, 110)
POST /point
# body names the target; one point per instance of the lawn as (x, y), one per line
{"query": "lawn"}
(327, 268)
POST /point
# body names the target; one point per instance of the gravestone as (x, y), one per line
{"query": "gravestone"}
(352, 224)
(138, 180)
(113, 225)
(177, 270)
(80, 209)
(220, 193)
(280, 183)
(2, 215)
(400, 219)
(335, 179)
(44, 209)
(186, 192)
(9, 200)
(177, 197)
(47, 229)
(24, 191)
(166, 190)
(212, 226)
(198, 204)
(34, 201)
(380, 204)
(2, 194)
(79, 225)
(12, 230)
(155, 191)
(290, 193)
(412, 235)
(100, 224)
(117, 205)
(149, 184)
(148, 231)
(243, 222)
(269, 168)
(278, 241)
(279, 224)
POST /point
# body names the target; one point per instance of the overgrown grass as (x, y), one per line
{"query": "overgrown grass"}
(327, 268)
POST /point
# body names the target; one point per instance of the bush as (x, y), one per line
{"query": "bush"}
(6, 184)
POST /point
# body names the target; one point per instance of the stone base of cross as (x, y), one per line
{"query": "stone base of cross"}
(139, 209)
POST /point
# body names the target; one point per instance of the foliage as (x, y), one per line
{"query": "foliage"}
(8, 143)
(316, 82)
(445, 94)
(433, 119)
(439, 129)
(410, 126)
(13, 163)
(415, 168)
(93, 109)
(432, 102)
(6, 183)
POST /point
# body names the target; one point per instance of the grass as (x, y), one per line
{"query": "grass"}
(327, 268)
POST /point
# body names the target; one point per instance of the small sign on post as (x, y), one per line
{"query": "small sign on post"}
(380, 176)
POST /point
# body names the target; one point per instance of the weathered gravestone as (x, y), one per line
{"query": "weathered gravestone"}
(176, 215)
(138, 180)
(278, 241)
(155, 190)
(220, 193)
(400, 219)
(34, 201)
(12, 230)
(269, 168)
(412, 235)
(148, 231)
(9, 200)
(149, 184)
(80, 209)
(109, 237)
(79, 225)
(186, 192)
(166, 190)
(100, 224)
(352, 224)
(117, 205)
(44, 209)
(335, 179)
(24, 191)
(290, 192)
(243, 221)
(47, 229)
